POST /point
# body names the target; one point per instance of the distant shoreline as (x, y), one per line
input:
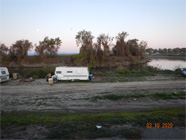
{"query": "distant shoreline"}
(59, 53)
(181, 57)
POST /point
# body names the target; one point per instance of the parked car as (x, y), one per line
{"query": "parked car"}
(4, 74)
(183, 72)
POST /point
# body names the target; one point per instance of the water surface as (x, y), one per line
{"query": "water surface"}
(167, 64)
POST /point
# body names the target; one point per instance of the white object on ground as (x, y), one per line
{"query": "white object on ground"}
(98, 126)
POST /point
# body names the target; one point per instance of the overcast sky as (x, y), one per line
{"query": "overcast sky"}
(162, 23)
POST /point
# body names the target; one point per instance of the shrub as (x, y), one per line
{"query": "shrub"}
(143, 73)
(118, 73)
(135, 61)
(40, 73)
(151, 69)
(80, 58)
(178, 71)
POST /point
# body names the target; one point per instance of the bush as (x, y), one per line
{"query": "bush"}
(151, 69)
(80, 58)
(40, 73)
(118, 73)
(143, 73)
(135, 61)
(177, 71)
(124, 71)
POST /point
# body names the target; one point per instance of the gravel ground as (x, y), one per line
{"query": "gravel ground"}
(76, 97)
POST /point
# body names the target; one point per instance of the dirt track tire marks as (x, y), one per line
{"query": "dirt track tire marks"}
(75, 97)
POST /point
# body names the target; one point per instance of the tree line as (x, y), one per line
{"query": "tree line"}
(91, 53)
(19, 50)
(96, 53)
(167, 51)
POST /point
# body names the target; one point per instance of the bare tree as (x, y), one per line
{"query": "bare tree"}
(40, 49)
(85, 39)
(3, 49)
(20, 49)
(105, 40)
(98, 51)
(48, 46)
(142, 47)
(3, 54)
(121, 48)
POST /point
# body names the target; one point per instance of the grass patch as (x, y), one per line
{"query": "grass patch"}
(80, 130)
(104, 92)
(27, 118)
(47, 98)
(83, 126)
(117, 97)
(163, 96)
(128, 73)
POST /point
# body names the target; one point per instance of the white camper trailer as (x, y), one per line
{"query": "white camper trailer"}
(72, 73)
(4, 74)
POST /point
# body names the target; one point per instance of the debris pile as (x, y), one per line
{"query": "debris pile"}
(26, 79)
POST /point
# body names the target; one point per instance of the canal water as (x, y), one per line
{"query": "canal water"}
(164, 64)
(167, 64)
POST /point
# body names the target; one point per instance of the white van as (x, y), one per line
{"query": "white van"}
(72, 73)
(4, 74)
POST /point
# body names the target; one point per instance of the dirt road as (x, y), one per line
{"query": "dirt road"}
(76, 97)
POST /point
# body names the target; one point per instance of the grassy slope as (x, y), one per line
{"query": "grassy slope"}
(70, 126)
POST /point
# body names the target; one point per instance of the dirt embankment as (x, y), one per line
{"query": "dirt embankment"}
(76, 97)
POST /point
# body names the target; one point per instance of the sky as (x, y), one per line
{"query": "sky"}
(161, 23)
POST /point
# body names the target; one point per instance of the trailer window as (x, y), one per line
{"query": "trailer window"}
(58, 72)
(3, 72)
(69, 71)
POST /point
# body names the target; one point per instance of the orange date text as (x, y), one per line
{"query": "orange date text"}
(158, 125)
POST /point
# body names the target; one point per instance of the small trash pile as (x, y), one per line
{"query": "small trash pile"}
(17, 76)
(26, 79)
(51, 79)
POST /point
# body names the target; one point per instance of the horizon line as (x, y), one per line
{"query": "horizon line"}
(64, 53)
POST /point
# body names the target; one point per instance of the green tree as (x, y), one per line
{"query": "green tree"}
(149, 50)
(133, 45)
(183, 51)
(85, 40)
(137, 49)
(176, 50)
